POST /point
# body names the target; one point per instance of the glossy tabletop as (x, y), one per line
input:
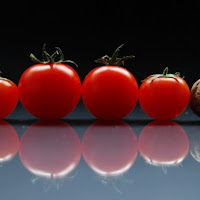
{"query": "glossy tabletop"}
(80, 157)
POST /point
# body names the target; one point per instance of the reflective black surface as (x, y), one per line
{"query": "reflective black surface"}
(80, 157)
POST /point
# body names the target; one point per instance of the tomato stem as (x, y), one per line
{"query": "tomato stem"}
(165, 71)
(164, 74)
(48, 59)
(114, 60)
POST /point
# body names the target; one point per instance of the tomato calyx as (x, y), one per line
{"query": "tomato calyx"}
(114, 60)
(49, 59)
(164, 75)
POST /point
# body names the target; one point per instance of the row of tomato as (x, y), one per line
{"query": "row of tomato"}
(51, 89)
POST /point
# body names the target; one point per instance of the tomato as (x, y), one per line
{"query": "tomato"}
(50, 149)
(9, 141)
(50, 90)
(110, 92)
(163, 143)
(9, 97)
(195, 98)
(109, 147)
(164, 96)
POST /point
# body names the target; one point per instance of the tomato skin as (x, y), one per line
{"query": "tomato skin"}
(164, 98)
(109, 92)
(9, 97)
(50, 91)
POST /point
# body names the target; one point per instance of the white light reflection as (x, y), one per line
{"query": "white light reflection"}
(112, 173)
(115, 69)
(6, 158)
(63, 173)
(166, 163)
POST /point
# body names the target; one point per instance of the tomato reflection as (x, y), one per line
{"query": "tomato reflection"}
(195, 142)
(109, 148)
(9, 141)
(163, 143)
(50, 149)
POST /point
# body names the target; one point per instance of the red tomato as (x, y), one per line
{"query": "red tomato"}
(163, 143)
(109, 148)
(50, 149)
(51, 90)
(9, 141)
(110, 92)
(9, 97)
(164, 96)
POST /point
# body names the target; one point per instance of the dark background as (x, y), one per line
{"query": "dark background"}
(158, 34)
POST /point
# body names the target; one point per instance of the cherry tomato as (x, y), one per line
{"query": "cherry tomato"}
(164, 96)
(9, 97)
(109, 147)
(50, 90)
(50, 149)
(9, 141)
(110, 92)
(163, 143)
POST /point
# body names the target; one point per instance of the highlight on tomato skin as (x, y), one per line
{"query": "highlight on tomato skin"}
(9, 97)
(50, 149)
(110, 92)
(164, 96)
(9, 142)
(50, 89)
(163, 143)
(109, 147)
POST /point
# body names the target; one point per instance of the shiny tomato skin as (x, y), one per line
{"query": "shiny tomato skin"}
(50, 91)
(164, 98)
(110, 92)
(9, 97)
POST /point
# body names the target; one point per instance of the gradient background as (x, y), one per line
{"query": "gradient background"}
(158, 34)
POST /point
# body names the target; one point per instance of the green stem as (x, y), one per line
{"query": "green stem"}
(114, 60)
(48, 59)
(165, 71)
